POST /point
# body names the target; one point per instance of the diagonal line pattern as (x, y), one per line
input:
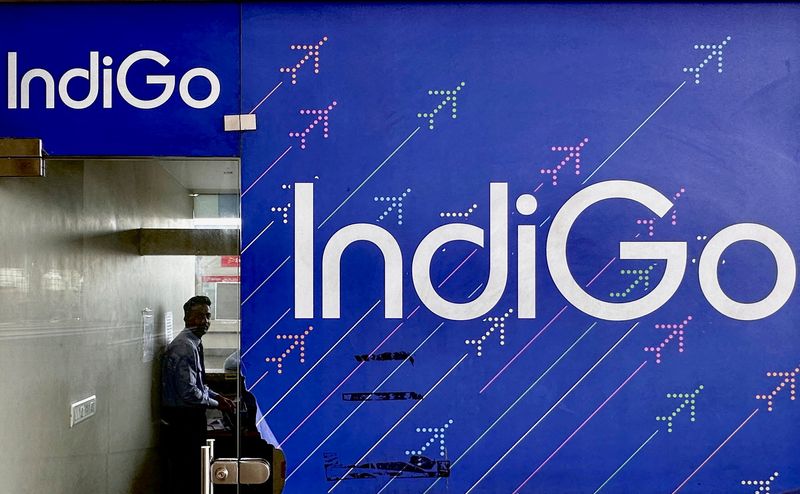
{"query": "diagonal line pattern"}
(363, 402)
(516, 491)
(603, 163)
(601, 271)
(457, 268)
(265, 97)
(427, 393)
(386, 485)
(389, 483)
(493, 379)
(563, 397)
(530, 342)
(626, 462)
(266, 280)
(715, 451)
(447, 278)
(338, 386)
(474, 291)
(320, 359)
(524, 393)
(633, 133)
(367, 179)
(258, 381)
(257, 236)
(527, 391)
(265, 171)
(267, 331)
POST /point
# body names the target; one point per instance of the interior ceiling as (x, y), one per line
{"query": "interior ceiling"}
(202, 176)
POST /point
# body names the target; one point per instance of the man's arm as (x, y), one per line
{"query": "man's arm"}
(186, 382)
(225, 404)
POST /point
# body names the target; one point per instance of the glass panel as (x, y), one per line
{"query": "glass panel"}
(93, 294)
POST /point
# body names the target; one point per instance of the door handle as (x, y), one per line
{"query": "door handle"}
(246, 471)
(205, 474)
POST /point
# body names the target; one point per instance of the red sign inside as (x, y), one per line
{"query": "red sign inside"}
(230, 261)
(220, 279)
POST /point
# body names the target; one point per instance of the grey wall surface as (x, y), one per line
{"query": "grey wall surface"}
(72, 288)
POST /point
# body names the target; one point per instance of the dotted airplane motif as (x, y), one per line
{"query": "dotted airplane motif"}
(437, 437)
(688, 400)
(284, 210)
(714, 50)
(650, 222)
(762, 486)
(320, 115)
(498, 323)
(574, 155)
(677, 330)
(642, 276)
(449, 98)
(459, 214)
(395, 203)
(787, 377)
(311, 51)
(296, 340)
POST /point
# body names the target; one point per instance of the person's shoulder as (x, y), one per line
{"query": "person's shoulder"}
(180, 344)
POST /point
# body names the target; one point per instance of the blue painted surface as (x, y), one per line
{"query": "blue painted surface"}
(535, 77)
(58, 38)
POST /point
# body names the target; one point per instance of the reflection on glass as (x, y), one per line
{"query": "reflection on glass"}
(62, 280)
(15, 279)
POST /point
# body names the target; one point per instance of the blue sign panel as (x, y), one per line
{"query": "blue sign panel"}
(121, 79)
(523, 248)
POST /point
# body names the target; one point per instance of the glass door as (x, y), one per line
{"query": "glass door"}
(98, 260)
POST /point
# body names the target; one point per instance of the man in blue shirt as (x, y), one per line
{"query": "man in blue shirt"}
(185, 398)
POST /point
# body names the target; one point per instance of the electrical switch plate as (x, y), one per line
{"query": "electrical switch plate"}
(82, 410)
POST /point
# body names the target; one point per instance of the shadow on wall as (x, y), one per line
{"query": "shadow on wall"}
(121, 242)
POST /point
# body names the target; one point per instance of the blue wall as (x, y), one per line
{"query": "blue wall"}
(535, 77)
(58, 38)
(567, 403)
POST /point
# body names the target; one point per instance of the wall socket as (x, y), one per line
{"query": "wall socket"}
(82, 410)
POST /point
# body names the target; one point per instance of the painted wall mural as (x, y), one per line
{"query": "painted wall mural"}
(524, 248)
(484, 248)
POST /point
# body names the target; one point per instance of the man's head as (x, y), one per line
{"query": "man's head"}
(197, 314)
